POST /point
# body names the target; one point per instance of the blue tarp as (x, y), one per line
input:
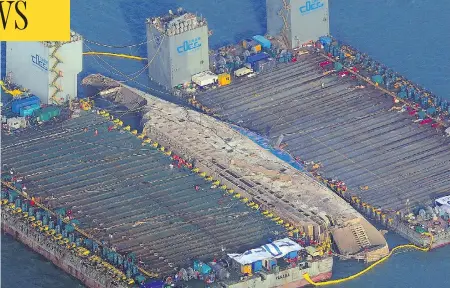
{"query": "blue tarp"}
(154, 284)
(264, 143)
(263, 41)
(325, 40)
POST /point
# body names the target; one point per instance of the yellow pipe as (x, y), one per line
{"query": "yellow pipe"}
(338, 281)
(125, 56)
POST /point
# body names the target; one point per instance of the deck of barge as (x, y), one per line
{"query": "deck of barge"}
(350, 131)
(115, 186)
(251, 171)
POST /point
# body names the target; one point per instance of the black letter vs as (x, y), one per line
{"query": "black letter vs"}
(20, 13)
(5, 13)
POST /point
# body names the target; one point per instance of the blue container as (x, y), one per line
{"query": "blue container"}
(402, 95)
(257, 57)
(431, 111)
(28, 110)
(23, 102)
(205, 269)
(257, 266)
(422, 114)
(69, 228)
(263, 41)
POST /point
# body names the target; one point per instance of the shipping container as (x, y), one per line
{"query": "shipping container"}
(204, 78)
(242, 71)
(28, 110)
(205, 269)
(256, 48)
(224, 79)
(257, 57)
(47, 113)
(246, 269)
(265, 43)
(23, 102)
(257, 266)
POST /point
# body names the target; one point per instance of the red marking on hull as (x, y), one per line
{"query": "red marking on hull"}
(440, 245)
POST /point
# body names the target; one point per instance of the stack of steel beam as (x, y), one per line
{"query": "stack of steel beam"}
(129, 195)
(351, 131)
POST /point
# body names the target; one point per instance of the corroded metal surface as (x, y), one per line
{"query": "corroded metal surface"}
(129, 196)
(351, 131)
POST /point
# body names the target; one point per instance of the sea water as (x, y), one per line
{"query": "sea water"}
(411, 36)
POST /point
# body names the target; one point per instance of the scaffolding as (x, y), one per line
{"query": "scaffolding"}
(57, 73)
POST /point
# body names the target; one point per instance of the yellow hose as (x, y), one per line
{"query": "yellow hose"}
(338, 281)
(126, 56)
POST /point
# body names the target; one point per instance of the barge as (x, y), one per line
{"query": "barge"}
(128, 226)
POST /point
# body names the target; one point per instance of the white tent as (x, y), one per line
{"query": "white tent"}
(443, 203)
(276, 249)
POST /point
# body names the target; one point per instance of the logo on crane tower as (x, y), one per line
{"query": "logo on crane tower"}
(310, 6)
(190, 45)
(39, 62)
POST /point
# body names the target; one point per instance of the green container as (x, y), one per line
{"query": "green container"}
(377, 79)
(338, 66)
(47, 113)
(420, 229)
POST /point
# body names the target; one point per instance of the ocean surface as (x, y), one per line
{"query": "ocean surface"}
(411, 36)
